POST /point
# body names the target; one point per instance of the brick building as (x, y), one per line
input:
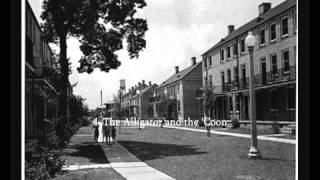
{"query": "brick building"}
(135, 103)
(226, 66)
(175, 97)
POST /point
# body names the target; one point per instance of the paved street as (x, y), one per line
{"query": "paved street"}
(178, 154)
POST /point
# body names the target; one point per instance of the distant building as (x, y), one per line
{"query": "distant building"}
(226, 66)
(135, 103)
(174, 98)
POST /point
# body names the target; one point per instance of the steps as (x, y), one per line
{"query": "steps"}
(290, 129)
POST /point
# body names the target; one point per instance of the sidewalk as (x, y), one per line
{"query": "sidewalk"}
(261, 137)
(116, 157)
(129, 166)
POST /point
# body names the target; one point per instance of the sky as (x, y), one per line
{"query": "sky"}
(178, 30)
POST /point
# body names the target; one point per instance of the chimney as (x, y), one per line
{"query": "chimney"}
(177, 69)
(139, 85)
(230, 29)
(150, 84)
(143, 82)
(263, 8)
(193, 61)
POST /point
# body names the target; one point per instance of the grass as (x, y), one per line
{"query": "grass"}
(192, 155)
(91, 174)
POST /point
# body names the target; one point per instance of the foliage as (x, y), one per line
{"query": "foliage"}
(101, 26)
(49, 149)
(47, 166)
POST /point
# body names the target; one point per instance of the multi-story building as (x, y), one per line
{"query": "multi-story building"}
(226, 66)
(135, 103)
(40, 93)
(174, 98)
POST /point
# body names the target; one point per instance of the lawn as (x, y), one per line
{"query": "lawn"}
(192, 155)
(91, 174)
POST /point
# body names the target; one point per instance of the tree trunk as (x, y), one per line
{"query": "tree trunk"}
(64, 102)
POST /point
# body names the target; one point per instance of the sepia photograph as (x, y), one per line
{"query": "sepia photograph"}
(159, 89)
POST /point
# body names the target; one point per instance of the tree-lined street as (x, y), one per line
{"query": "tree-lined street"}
(184, 154)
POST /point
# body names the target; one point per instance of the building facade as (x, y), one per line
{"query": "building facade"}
(135, 103)
(41, 100)
(175, 98)
(226, 67)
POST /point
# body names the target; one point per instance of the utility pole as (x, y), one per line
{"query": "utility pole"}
(101, 98)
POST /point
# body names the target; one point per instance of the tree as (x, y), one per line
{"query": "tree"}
(101, 26)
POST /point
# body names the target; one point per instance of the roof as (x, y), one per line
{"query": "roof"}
(179, 75)
(255, 22)
(148, 88)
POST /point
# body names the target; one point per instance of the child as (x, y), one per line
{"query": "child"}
(113, 133)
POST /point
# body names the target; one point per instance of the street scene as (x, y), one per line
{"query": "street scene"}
(143, 89)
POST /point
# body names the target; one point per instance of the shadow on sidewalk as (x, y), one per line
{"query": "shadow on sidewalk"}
(148, 151)
(88, 150)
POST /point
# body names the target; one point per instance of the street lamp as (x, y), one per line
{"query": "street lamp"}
(254, 151)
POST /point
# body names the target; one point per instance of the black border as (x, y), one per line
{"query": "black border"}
(15, 89)
(303, 85)
(304, 89)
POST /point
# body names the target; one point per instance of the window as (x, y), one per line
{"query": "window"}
(262, 37)
(222, 79)
(228, 52)
(273, 33)
(284, 29)
(210, 60)
(274, 67)
(291, 97)
(229, 76)
(221, 54)
(210, 80)
(242, 46)
(285, 58)
(236, 74)
(235, 49)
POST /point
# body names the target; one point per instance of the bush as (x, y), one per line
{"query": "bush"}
(46, 167)
(235, 124)
(36, 170)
